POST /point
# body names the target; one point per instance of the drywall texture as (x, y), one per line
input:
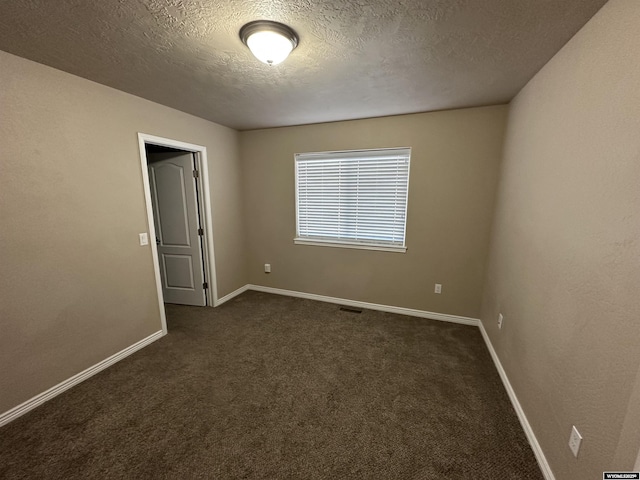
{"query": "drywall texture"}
(75, 286)
(355, 59)
(454, 165)
(565, 255)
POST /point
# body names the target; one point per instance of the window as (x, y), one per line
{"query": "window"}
(353, 199)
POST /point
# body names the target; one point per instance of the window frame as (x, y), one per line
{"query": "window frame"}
(344, 243)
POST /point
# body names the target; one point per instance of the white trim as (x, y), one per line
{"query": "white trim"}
(152, 230)
(205, 205)
(316, 242)
(356, 151)
(533, 441)
(406, 202)
(231, 295)
(371, 306)
(34, 402)
(209, 252)
(39, 399)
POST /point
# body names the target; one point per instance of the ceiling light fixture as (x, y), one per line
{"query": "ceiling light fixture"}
(270, 42)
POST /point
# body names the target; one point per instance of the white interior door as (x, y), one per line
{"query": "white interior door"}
(175, 213)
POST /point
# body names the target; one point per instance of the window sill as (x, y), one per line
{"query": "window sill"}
(343, 244)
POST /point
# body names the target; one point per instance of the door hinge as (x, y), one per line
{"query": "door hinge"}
(205, 285)
(200, 232)
(196, 174)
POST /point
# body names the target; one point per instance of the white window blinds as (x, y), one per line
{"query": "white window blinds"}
(353, 198)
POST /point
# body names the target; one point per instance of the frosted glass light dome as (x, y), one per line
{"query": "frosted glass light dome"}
(270, 42)
(269, 47)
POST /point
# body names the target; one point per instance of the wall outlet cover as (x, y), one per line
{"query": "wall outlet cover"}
(574, 441)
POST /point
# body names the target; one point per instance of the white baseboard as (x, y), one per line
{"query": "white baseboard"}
(231, 295)
(32, 403)
(533, 441)
(443, 317)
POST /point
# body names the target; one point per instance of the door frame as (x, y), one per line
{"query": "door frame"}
(206, 218)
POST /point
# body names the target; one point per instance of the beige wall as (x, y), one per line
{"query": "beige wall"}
(75, 286)
(454, 165)
(565, 255)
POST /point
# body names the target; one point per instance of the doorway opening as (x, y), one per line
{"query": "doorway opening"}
(176, 188)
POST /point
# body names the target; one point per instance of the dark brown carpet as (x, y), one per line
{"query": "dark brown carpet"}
(271, 387)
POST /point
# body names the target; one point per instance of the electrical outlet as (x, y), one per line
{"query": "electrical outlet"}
(267, 268)
(438, 288)
(500, 319)
(574, 441)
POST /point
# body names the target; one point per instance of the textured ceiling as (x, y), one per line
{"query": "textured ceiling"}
(356, 58)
